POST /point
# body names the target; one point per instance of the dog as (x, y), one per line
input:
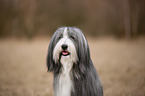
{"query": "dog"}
(69, 60)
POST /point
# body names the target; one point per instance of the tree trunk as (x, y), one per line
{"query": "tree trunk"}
(127, 23)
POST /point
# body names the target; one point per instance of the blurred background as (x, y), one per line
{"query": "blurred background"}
(115, 30)
(29, 18)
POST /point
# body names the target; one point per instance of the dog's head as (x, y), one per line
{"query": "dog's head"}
(68, 42)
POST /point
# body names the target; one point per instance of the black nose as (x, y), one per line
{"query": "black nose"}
(64, 46)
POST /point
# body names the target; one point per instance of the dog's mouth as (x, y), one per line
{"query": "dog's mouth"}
(65, 53)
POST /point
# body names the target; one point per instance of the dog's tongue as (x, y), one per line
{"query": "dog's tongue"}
(65, 53)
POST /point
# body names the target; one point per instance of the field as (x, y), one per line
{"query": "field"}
(120, 65)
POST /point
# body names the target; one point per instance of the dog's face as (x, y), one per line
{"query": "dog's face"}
(68, 43)
(65, 47)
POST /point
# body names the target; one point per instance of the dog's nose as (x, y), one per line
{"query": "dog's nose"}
(64, 46)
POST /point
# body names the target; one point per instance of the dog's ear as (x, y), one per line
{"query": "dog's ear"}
(84, 57)
(50, 62)
(83, 52)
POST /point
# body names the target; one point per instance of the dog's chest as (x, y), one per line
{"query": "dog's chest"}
(65, 82)
(65, 85)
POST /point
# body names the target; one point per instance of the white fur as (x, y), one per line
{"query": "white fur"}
(65, 83)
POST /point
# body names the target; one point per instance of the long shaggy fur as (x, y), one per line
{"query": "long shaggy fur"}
(79, 76)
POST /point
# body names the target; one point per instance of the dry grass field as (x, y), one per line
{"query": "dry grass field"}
(120, 65)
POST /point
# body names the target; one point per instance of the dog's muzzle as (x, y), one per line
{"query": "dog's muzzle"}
(64, 48)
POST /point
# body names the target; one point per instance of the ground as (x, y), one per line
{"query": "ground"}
(120, 65)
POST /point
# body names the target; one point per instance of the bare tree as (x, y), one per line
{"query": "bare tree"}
(127, 23)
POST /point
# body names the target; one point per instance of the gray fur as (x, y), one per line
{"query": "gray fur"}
(86, 81)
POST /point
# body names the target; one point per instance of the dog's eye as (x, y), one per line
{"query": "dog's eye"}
(59, 37)
(72, 37)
